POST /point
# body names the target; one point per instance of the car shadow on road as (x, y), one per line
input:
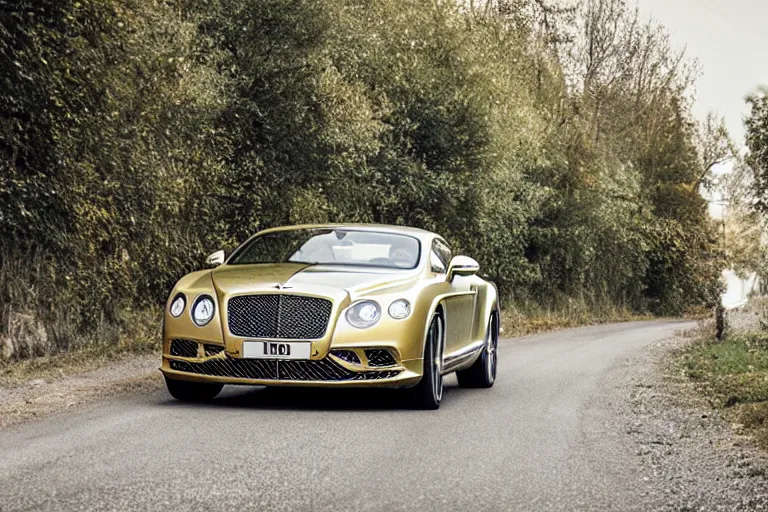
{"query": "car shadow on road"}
(314, 399)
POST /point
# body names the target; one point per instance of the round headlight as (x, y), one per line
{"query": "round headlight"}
(202, 311)
(364, 314)
(177, 306)
(400, 309)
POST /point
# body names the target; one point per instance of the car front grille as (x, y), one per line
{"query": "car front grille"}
(267, 369)
(278, 316)
(184, 348)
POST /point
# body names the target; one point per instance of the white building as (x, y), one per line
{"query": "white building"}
(738, 290)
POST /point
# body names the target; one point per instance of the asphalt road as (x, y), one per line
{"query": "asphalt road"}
(545, 437)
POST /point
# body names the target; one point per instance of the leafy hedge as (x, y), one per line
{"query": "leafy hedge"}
(136, 136)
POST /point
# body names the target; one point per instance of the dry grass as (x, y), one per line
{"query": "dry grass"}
(67, 363)
(141, 335)
(525, 320)
(40, 315)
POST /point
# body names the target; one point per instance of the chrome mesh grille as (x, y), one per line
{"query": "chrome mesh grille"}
(268, 369)
(278, 316)
(184, 348)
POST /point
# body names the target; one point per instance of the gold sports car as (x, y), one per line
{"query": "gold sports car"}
(333, 306)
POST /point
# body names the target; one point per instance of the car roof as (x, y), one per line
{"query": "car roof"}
(381, 228)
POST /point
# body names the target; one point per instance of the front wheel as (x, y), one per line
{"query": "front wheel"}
(187, 391)
(428, 393)
(482, 374)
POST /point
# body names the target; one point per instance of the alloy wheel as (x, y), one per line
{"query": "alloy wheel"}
(436, 342)
(491, 346)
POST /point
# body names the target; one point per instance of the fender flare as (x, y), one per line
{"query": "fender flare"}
(491, 306)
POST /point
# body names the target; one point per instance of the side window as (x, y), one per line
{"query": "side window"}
(439, 257)
(437, 265)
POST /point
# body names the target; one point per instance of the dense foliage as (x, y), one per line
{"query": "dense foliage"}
(554, 145)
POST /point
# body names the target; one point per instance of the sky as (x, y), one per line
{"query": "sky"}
(729, 39)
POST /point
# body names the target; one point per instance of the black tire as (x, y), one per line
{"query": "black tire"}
(482, 374)
(187, 391)
(428, 393)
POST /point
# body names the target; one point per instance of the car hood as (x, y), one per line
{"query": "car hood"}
(313, 279)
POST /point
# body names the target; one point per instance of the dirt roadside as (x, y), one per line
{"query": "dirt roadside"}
(688, 450)
(42, 393)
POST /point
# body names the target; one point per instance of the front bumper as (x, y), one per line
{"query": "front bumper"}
(326, 372)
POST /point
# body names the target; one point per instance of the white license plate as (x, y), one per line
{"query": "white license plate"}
(276, 350)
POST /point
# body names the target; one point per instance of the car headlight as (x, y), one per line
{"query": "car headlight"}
(177, 306)
(400, 309)
(203, 310)
(364, 314)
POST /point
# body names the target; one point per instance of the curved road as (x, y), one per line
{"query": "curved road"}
(545, 437)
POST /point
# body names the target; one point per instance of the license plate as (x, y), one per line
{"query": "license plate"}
(275, 350)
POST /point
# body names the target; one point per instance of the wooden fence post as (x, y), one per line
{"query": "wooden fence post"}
(719, 321)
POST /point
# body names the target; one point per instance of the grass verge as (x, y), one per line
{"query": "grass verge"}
(733, 373)
(527, 320)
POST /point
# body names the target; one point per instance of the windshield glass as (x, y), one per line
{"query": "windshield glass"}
(331, 247)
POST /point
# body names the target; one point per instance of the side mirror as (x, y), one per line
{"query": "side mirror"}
(462, 266)
(215, 259)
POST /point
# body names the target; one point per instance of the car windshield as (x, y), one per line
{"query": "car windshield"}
(331, 247)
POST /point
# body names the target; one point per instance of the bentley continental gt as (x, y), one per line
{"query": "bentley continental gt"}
(332, 306)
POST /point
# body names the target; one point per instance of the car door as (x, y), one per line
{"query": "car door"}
(459, 304)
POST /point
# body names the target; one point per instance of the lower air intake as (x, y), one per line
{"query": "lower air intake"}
(183, 348)
(212, 350)
(379, 357)
(346, 355)
(323, 370)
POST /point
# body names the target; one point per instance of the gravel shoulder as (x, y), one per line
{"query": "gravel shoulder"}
(691, 456)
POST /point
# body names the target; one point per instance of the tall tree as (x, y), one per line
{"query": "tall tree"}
(757, 144)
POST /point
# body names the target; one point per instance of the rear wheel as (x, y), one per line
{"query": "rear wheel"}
(187, 391)
(428, 393)
(482, 374)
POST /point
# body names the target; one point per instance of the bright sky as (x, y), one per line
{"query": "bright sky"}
(729, 38)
